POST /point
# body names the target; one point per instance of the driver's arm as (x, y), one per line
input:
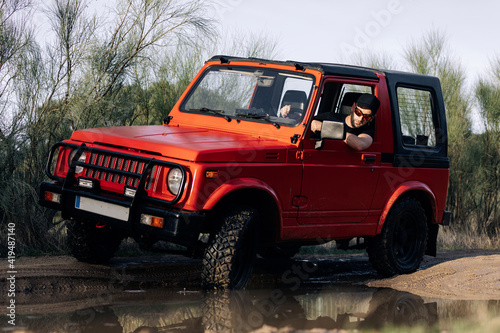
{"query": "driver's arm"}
(358, 142)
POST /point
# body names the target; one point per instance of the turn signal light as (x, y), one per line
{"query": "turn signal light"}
(211, 174)
(52, 197)
(153, 221)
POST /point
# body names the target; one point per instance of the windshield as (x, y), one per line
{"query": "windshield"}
(251, 94)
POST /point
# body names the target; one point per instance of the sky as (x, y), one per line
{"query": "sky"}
(335, 30)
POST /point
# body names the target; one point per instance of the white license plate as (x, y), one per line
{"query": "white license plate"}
(102, 208)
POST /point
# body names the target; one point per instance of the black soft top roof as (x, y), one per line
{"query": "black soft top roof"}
(325, 68)
(328, 68)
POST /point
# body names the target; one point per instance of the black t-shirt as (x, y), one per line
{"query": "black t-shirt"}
(367, 128)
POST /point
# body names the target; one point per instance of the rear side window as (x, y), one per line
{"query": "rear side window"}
(415, 111)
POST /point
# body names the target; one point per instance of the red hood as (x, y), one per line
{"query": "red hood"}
(189, 144)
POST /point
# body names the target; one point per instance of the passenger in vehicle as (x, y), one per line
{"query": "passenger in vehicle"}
(288, 112)
(358, 124)
(293, 105)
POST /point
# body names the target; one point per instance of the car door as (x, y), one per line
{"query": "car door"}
(338, 182)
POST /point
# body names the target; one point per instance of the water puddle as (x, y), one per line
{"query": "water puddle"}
(333, 308)
(162, 294)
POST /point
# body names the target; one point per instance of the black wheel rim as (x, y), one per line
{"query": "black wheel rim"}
(407, 240)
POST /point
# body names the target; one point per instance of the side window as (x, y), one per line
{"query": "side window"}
(338, 97)
(415, 113)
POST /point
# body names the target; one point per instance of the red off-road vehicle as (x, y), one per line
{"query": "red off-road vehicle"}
(227, 176)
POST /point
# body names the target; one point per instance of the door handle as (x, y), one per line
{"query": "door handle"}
(368, 158)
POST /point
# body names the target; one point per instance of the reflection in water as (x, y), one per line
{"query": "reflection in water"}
(243, 314)
(98, 319)
(399, 309)
(245, 311)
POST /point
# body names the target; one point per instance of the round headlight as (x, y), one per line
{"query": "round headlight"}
(174, 180)
(78, 169)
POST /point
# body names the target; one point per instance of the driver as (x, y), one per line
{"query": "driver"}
(358, 124)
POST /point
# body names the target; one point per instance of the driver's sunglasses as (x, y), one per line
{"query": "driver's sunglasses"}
(366, 117)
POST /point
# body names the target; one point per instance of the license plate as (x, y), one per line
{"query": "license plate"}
(102, 208)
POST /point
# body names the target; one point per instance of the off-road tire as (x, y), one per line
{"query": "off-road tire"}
(91, 244)
(400, 247)
(229, 258)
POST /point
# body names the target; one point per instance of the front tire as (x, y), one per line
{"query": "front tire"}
(229, 258)
(91, 244)
(400, 247)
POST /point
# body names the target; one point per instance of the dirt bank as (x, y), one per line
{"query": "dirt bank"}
(471, 278)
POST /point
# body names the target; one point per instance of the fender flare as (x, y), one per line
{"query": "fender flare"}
(239, 184)
(400, 191)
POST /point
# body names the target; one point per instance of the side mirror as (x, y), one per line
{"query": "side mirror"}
(333, 130)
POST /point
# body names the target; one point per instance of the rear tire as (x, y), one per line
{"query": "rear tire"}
(400, 247)
(229, 258)
(91, 244)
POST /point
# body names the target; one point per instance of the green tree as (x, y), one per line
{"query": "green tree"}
(487, 171)
(127, 70)
(78, 80)
(430, 56)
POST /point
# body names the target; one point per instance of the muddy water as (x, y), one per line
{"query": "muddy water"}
(163, 295)
(332, 308)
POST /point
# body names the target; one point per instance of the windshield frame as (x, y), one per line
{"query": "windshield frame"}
(274, 88)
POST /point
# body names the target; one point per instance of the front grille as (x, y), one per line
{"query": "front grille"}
(113, 168)
(103, 166)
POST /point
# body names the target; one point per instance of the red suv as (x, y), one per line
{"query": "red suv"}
(230, 176)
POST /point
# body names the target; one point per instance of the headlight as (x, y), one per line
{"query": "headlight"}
(174, 180)
(78, 169)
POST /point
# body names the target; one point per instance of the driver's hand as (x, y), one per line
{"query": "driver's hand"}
(316, 125)
(285, 111)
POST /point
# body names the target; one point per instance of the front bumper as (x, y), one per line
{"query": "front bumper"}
(123, 214)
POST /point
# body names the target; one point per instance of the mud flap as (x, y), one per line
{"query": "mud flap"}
(432, 240)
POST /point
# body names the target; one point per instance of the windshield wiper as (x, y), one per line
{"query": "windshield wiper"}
(258, 116)
(216, 112)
